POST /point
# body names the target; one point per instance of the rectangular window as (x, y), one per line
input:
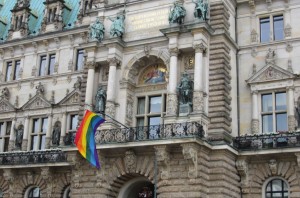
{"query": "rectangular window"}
(79, 59)
(5, 128)
(17, 70)
(278, 28)
(274, 112)
(8, 71)
(51, 64)
(43, 63)
(73, 122)
(265, 30)
(38, 133)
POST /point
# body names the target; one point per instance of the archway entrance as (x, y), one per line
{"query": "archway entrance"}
(139, 187)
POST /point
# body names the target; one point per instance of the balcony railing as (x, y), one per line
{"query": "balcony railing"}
(143, 133)
(267, 141)
(32, 157)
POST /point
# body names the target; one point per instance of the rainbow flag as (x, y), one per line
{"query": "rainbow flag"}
(85, 137)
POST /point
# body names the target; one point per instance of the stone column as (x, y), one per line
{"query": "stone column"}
(49, 131)
(12, 136)
(111, 87)
(25, 134)
(90, 85)
(63, 129)
(199, 77)
(291, 107)
(255, 120)
(172, 101)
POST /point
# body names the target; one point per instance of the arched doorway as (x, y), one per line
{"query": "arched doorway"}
(139, 187)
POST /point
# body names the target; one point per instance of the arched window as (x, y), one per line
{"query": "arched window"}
(277, 188)
(66, 192)
(34, 192)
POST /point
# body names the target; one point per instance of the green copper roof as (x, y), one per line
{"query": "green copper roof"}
(5, 18)
(70, 15)
(36, 16)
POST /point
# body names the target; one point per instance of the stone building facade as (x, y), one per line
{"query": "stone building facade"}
(233, 135)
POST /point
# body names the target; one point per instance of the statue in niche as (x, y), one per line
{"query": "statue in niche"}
(201, 10)
(177, 13)
(40, 89)
(100, 100)
(56, 134)
(77, 84)
(185, 90)
(5, 93)
(96, 30)
(117, 28)
(19, 136)
(270, 57)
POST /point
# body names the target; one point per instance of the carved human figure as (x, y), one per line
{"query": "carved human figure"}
(5, 93)
(96, 30)
(201, 9)
(56, 134)
(117, 28)
(19, 136)
(77, 84)
(100, 100)
(177, 13)
(40, 88)
(185, 90)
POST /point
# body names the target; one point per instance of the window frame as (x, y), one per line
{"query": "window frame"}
(70, 129)
(26, 195)
(264, 186)
(14, 74)
(271, 26)
(47, 69)
(76, 61)
(6, 136)
(39, 134)
(274, 112)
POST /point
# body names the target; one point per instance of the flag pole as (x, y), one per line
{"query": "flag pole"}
(102, 113)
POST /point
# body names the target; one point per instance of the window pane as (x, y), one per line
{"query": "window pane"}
(141, 106)
(281, 122)
(140, 122)
(278, 28)
(79, 61)
(280, 101)
(264, 30)
(2, 132)
(51, 64)
(154, 121)
(36, 193)
(268, 187)
(17, 70)
(268, 195)
(34, 142)
(267, 105)
(42, 71)
(267, 123)
(35, 128)
(155, 104)
(8, 128)
(44, 125)
(74, 122)
(276, 185)
(277, 195)
(6, 142)
(8, 71)
(42, 142)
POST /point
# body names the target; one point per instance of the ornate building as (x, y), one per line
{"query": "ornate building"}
(201, 98)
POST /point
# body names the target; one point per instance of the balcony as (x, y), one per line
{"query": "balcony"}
(32, 157)
(144, 133)
(267, 141)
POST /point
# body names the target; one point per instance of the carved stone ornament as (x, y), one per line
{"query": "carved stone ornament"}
(252, 5)
(114, 61)
(163, 160)
(147, 50)
(289, 47)
(255, 126)
(130, 160)
(273, 166)
(172, 106)
(77, 84)
(190, 153)
(291, 123)
(298, 158)
(198, 101)
(174, 51)
(189, 62)
(110, 109)
(288, 31)
(9, 175)
(253, 52)
(253, 36)
(91, 64)
(40, 89)
(242, 168)
(270, 57)
(5, 93)
(200, 47)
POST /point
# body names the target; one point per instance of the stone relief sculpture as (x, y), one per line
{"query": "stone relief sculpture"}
(201, 10)
(5, 93)
(77, 84)
(270, 57)
(96, 30)
(19, 136)
(56, 134)
(185, 90)
(100, 100)
(117, 28)
(40, 89)
(177, 13)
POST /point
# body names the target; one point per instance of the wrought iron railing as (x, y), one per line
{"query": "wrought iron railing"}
(32, 157)
(267, 141)
(135, 134)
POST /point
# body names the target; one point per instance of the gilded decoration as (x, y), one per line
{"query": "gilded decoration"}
(153, 74)
(189, 62)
